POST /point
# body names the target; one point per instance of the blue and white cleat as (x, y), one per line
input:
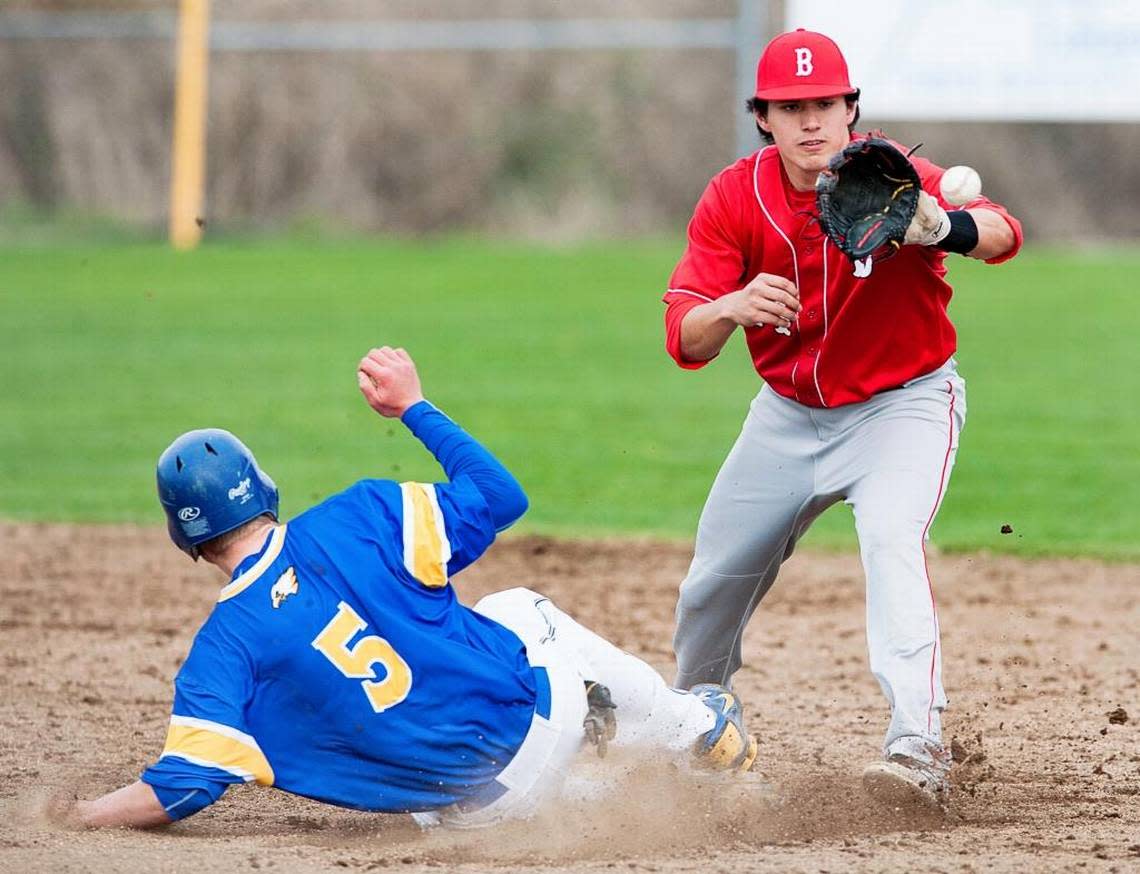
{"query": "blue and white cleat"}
(727, 746)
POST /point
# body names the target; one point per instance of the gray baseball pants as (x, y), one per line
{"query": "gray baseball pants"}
(890, 459)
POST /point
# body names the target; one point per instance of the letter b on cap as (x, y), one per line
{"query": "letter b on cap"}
(803, 62)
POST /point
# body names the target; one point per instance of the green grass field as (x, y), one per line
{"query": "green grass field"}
(553, 357)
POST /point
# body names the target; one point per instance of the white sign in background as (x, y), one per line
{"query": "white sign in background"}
(1006, 60)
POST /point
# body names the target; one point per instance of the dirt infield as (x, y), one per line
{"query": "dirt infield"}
(1042, 665)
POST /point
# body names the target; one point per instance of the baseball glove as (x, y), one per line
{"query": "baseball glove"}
(867, 197)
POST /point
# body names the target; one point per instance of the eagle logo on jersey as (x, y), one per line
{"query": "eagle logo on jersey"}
(285, 586)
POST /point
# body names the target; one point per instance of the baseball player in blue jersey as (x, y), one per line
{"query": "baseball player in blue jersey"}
(338, 663)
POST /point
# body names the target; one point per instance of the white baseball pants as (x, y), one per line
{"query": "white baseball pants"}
(650, 715)
(890, 459)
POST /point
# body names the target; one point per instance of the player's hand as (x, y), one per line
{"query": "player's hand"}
(766, 300)
(930, 224)
(64, 810)
(389, 382)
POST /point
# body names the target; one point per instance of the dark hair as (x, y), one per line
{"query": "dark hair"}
(756, 106)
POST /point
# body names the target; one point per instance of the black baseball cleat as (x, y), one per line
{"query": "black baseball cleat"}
(601, 721)
(727, 746)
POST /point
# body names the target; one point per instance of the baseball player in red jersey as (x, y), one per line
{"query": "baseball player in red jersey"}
(862, 399)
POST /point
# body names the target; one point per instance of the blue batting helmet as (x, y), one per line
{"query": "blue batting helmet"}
(209, 483)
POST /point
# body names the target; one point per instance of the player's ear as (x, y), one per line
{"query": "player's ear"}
(762, 123)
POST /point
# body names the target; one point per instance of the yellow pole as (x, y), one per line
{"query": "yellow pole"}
(188, 158)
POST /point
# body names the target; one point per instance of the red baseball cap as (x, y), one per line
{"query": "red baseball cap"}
(801, 65)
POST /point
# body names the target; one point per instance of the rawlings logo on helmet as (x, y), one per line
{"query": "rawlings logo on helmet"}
(189, 514)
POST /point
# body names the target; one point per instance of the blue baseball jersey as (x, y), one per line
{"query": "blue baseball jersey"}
(338, 663)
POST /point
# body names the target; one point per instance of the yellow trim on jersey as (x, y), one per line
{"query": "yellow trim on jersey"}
(276, 541)
(214, 745)
(426, 547)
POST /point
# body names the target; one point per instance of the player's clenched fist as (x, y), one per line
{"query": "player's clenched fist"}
(766, 300)
(388, 381)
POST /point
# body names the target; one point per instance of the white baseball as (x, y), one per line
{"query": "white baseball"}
(961, 184)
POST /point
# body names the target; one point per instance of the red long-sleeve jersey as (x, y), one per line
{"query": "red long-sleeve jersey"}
(854, 337)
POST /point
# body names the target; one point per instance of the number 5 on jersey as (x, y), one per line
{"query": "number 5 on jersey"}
(357, 661)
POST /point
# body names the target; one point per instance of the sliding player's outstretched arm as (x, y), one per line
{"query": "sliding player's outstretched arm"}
(391, 386)
(133, 806)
